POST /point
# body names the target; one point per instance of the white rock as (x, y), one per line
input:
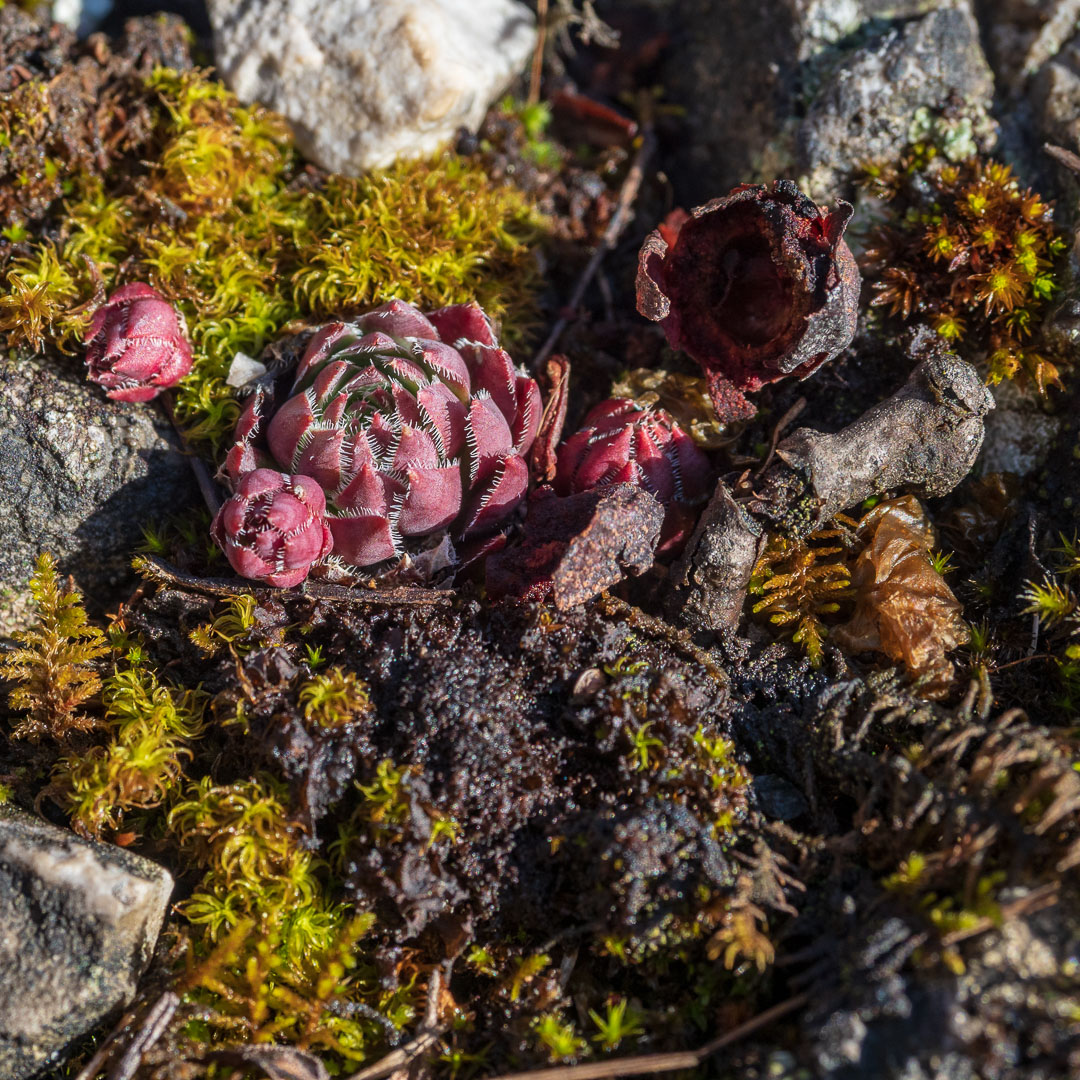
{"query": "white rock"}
(244, 369)
(82, 16)
(364, 82)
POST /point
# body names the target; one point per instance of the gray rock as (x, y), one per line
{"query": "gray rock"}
(78, 923)
(924, 80)
(1019, 432)
(1022, 35)
(747, 72)
(81, 475)
(779, 798)
(364, 82)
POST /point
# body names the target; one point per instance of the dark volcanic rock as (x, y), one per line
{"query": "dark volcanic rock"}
(78, 922)
(748, 74)
(81, 476)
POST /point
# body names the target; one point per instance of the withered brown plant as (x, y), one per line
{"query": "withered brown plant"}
(53, 665)
(904, 608)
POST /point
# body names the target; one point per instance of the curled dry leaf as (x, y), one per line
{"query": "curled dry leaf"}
(903, 606)
(576, 546)
(543, 456)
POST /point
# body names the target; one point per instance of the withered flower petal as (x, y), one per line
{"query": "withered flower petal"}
(755, 286)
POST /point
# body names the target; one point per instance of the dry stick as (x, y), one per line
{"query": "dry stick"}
(619, 220)
(429, 1034)
(154, 1025)
(781, 427)
(93, 1066)
(1043, 897)
(650, 1064)
(538, 52)
(162, 573)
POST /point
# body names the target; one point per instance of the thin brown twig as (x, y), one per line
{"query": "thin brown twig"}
(778, 431)
(1024, 660)
(162, 573)
(619, 220)
(538, 53)
(151, 1028)
(650, 1064)
(93, 1066)
(1043, 897)
(428, 1036)
(154, 1025)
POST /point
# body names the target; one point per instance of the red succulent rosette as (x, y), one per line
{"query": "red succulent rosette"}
(273, 528)
(623, 443)
(410, 422)
(755, 286)
(137, 344)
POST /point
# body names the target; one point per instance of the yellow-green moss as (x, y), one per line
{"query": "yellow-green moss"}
(228, 224)
(269, 954)
(53, 667)
(141, 766)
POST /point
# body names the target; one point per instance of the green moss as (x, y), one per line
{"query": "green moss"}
(333, 698)
(270, 956)
(231, 628)
(971, 252)
(227, 224)
(141, 766)
(1056, 605)
(558, 1037)
(618, 1023)
(53, 666)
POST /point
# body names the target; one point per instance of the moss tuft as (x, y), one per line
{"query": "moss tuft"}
(142, 764)
(53, 664)
(969, 251)
(226, 222)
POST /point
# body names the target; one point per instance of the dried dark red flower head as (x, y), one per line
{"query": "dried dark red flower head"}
(755, 286)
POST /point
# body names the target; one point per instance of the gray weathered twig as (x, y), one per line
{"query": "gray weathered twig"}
(161, 573)
(923, 439)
